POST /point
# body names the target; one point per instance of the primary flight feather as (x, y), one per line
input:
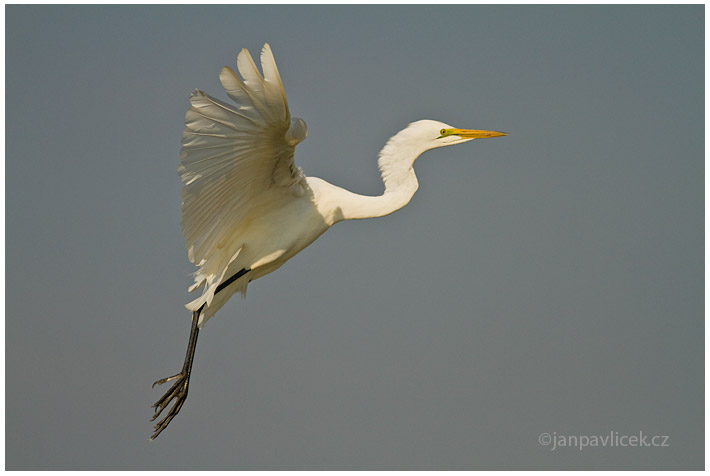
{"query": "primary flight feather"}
(247, 208)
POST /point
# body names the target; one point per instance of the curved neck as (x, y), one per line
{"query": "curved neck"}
(353, 206)
(396, 161)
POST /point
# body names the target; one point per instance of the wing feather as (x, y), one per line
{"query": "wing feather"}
(233, 156)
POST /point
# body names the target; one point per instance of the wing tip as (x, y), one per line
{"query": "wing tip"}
(243, 55)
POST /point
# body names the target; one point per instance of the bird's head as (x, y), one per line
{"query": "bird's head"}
(435, 134)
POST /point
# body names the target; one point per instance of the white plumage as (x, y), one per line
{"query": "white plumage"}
(236, 164)
(247, 209)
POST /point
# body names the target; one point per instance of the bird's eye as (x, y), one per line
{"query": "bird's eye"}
(442, 131)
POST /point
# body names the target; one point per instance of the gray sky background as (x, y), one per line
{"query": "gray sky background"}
(548, 281)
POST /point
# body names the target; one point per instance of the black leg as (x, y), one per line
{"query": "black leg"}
(178, 392)
(230, 280)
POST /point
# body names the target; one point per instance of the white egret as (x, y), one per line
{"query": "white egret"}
(247, 209)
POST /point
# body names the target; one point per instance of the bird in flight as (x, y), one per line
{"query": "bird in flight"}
(247, 208)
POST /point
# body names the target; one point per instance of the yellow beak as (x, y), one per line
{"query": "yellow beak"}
(475, 134)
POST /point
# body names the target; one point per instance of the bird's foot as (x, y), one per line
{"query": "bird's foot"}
(176, 393)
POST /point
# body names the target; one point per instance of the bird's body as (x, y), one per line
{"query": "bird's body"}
(260, 244)
(247, 209)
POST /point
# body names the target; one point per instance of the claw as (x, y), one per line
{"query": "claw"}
(176, 394)
(167, 379)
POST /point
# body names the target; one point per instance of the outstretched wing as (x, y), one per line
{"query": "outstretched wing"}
(233, 154)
